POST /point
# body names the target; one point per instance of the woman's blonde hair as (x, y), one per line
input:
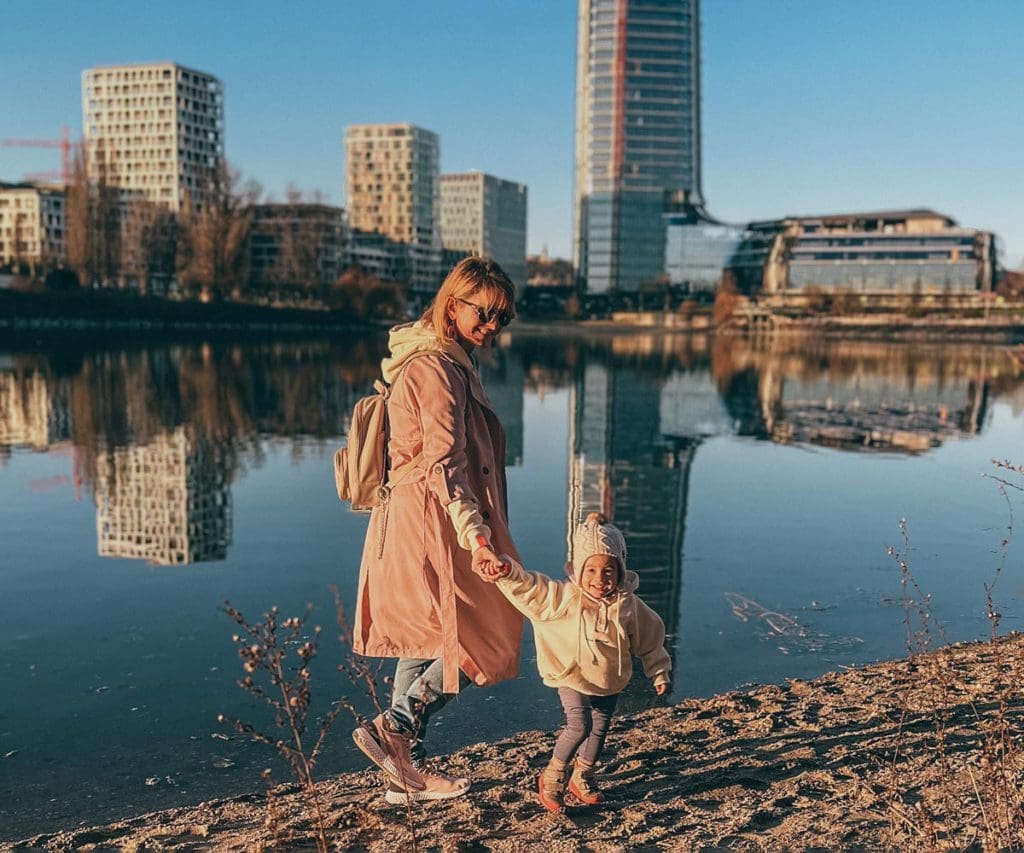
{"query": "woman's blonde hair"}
(468, 277)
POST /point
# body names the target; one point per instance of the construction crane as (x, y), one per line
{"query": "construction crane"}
(64, 144)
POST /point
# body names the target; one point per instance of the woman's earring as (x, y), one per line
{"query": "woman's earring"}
(449, 330)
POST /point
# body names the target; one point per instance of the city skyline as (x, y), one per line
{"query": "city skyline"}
(808, 109)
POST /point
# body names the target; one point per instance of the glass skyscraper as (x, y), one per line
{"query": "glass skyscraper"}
(637, 135)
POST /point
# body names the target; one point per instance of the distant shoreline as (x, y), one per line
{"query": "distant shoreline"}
(87, 312)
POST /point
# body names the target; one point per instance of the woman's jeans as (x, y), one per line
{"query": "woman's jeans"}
(416, 694)
(587, 719)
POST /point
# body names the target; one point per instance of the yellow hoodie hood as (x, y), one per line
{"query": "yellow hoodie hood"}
(411, 338)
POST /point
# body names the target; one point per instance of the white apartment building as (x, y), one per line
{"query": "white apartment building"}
(484, 215)
(155, 130)
(391, 172)
(32, 224)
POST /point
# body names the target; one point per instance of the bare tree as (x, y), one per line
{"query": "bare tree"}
(212, 250)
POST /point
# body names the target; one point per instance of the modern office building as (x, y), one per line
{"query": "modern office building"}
(288, 240)
(392, 173)
(881, 252)
(154, 130)
(697, 249)
(32, 224)
(637, 135)
(486, 216)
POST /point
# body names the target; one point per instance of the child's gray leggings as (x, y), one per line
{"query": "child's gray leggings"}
(586, 725)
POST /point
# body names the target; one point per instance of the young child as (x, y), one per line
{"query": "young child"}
(586, 629)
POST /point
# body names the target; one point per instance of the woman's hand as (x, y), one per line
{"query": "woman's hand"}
(661, 688)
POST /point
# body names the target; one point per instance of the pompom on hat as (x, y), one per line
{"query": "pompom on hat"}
(597, 536)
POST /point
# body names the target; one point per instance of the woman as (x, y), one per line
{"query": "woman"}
(419, 598)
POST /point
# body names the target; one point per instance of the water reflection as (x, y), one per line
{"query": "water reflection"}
(159, 433)
(166, 501)
(858, 395)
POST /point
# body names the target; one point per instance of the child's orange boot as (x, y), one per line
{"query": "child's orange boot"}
(581, 784)
(551, 786)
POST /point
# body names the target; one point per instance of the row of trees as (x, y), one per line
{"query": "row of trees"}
(117, 239)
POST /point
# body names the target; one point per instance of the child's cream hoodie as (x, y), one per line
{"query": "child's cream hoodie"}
(587, 643)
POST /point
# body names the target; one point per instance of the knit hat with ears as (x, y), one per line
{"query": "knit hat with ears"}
(597, 536)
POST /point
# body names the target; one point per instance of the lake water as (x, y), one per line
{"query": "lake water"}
(759, 483)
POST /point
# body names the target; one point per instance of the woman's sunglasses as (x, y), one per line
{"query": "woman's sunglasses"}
(485, 315)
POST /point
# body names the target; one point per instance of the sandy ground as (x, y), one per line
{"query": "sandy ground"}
(898, 755)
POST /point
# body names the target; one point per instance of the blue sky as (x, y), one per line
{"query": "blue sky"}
(808, 106)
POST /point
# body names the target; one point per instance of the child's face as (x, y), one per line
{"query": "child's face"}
(600, 575)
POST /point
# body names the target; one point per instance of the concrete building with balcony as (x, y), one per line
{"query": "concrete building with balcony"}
(879, 252)
(392, 173)
(154, 130)
(486, 216)
(33, 226)
(638, 130)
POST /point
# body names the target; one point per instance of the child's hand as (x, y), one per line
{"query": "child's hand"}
(489, 566)
(661, 688)
(492, 570)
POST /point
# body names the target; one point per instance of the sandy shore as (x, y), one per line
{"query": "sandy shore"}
(898, 755)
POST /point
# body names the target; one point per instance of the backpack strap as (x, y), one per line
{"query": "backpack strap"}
(396, 475)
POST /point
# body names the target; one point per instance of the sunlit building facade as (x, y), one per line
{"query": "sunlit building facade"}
(486, 216)
(32, 224)
(392, 173)
(638, 131)
(877, 252)
(154, 130)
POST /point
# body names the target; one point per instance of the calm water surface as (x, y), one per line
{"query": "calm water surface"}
(759, 484)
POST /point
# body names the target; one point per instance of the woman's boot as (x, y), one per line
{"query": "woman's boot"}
(581, 784)
(551, 786)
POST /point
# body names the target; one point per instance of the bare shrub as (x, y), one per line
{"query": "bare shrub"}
(276, 655)
(988, 812)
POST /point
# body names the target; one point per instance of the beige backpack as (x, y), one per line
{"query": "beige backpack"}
(361, 467)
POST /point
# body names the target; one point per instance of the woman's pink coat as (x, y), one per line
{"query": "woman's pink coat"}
(418, 595)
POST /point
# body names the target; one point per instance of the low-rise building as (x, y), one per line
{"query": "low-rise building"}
(33, 226)
(296, 245)
(886, 252)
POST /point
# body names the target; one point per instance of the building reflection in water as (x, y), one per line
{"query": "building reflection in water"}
(160, 433)
(861, 396)
(633, 437)
(504, 378)
(33, 413)
(167, 501)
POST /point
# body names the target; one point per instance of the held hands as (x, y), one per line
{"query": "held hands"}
(489, 565)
